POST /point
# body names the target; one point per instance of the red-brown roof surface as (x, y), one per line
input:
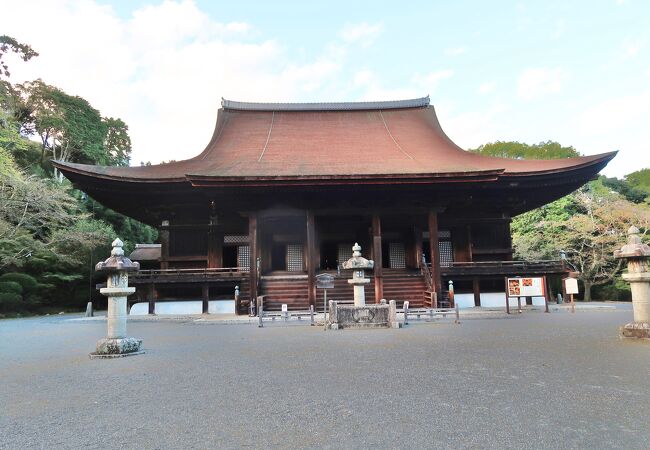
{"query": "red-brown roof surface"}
(381, 140)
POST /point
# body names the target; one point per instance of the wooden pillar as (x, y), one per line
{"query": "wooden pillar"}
(151, 293)
(215, 247)
(547, 293)
(476, 285)
(469, 243)
(253, 239)
(434, 250)
(206, 298)
(417, 247)
(377, 256)
(508, 239)
(311, 258)
(163, 237)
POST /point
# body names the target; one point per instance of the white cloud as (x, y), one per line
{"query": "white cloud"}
(469, 129)
(455, 51)
(431, 80)
(632, 46)
(559, 28)
(534, 83)
(618, 123)
(372, 89)
(487, 87)
(363, 33)
(163, 69)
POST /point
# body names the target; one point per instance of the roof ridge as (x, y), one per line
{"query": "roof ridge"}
(326, 106)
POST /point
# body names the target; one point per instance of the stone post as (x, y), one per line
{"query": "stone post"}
(638, 276)
(117, 344)
(358, 264)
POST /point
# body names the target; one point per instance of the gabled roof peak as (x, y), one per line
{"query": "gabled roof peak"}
(326, 106)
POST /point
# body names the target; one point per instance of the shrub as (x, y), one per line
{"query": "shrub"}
(28, 282)
(10, 302)
(11, 287)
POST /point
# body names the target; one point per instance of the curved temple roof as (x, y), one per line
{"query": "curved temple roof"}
(325, 141)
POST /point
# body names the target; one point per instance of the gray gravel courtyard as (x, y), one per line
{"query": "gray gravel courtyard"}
(532, 381)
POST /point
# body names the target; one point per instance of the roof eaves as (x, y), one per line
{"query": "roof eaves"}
(326, 106)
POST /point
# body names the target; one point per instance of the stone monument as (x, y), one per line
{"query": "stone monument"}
(117, 344)
(637, 253)
(361, 315)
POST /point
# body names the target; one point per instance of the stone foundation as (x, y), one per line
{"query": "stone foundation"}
(367, 316)
(639, 330)
(116, 348)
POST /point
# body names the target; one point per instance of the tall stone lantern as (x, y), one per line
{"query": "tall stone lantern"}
(637, 254)
(358, 264)
(117, 344)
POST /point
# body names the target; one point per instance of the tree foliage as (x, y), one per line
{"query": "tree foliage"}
(519, 150)
(11, 45)
(625, 188)
(588, 225)
(50, 233)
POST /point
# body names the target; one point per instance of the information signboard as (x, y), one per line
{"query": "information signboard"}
(324, 281)
(571, 285)
(526, 287)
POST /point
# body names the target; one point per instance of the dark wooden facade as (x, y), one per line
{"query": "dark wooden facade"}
(283, 191)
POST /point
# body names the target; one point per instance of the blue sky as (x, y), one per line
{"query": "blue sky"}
(576, 72)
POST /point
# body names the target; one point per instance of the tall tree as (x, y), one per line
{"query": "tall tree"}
(70, 129)
(117, 142)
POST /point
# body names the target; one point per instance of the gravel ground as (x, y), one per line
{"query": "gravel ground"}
(530, 381)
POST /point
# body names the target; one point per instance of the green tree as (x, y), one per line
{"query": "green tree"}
(11, 45)
(69, 127)
(626, 189)
(588, 225)
(519, 150)
(640, 180)
(117, 142)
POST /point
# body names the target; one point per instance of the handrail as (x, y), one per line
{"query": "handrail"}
(428, 277)
(546, 262)
(204, 272)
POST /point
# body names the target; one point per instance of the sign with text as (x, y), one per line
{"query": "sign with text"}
(571, 285)
(324, 281)
(526, 287)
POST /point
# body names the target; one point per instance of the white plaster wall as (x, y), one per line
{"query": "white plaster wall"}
(184, 307)
(492, 300)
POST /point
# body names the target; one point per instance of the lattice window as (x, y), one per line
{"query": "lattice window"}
(243, 256)
(396, 255)
(235, 239)
(344, 252)
(444, 234)
(446, 253)
(294, 258)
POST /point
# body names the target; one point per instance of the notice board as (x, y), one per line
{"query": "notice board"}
(526, 287)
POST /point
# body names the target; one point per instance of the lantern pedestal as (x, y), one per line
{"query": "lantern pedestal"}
(637, 253)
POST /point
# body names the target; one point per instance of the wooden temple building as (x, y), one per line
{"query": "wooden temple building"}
(283, 190)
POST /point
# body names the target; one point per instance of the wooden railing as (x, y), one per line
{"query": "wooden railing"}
(426, 272)
(505, 267)
(205, 273)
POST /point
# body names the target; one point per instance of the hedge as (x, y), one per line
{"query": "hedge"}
(10, 302)
(11, 287)
(28, 282)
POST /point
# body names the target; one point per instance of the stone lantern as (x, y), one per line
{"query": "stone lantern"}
(358, 264)
(637, 254)
(117, 344)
